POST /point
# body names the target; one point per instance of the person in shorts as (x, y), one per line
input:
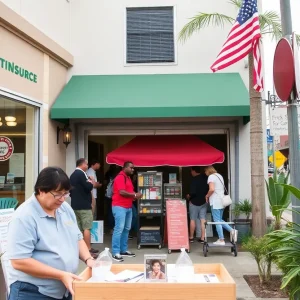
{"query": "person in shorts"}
(197, 202)
(81, 201)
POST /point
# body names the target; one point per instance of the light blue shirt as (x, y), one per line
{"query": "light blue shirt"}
(51, 241)
(92, 172)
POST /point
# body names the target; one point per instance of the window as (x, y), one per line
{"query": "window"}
(18, 142)
(150, 35)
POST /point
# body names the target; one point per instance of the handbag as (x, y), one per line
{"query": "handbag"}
(226, 200)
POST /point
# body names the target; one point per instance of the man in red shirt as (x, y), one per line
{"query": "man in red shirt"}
(123, 195)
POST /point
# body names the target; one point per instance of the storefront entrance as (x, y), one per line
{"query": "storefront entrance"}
(100, 146)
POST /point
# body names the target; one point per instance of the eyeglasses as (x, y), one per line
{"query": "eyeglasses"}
(58, 197)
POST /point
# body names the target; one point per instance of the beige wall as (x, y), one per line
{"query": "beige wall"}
(15, 50)
(57, 80)
(34, 52)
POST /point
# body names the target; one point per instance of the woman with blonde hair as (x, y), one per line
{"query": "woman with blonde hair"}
(214, 198)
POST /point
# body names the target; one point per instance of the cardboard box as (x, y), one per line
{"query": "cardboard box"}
(225, 289)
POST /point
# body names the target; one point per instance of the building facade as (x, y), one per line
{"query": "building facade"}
(33, 71)
(131, 76)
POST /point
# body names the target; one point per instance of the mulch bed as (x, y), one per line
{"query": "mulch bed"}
(270, 290)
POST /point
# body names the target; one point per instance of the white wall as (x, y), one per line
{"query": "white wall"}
(98, 37)
(50, 16)
(94, 32)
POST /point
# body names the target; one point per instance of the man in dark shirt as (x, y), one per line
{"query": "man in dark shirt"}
(197, 202)
(81, 201)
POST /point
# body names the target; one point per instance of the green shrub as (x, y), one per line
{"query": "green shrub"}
(279, 198)
(260, 249)
(286, 251)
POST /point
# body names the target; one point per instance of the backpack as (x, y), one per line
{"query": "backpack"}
(110, 187)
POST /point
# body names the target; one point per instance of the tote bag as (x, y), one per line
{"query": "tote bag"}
(226, 200)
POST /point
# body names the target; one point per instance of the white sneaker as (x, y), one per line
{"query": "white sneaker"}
(233, 235)
(219, 243)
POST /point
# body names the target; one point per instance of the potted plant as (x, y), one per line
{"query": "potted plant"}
(236, 211)
(242, 225)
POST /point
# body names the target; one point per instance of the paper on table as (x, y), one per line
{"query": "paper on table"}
(171, 271)
(125, 275)
(199, 278)
(206, 278)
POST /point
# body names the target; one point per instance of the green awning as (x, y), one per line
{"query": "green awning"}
(152, 96)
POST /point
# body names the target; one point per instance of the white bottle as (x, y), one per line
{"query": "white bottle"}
(102, 266)
(184, 268)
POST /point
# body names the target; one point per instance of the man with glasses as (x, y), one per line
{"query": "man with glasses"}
(123, 195)
(81, 201)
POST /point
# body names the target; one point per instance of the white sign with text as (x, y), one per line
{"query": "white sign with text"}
(280, 121)
(5, 217)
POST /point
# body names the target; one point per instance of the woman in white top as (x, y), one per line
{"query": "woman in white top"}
(214, 197)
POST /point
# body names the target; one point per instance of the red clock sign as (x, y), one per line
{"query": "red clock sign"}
(6, 148)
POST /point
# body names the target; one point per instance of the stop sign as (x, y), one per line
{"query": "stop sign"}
(283, 69)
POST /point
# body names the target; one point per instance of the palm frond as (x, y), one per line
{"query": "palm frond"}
(237, 3)
(201, 21)
(270, 24)
(298, 39)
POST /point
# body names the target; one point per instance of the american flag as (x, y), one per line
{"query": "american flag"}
(243, 38)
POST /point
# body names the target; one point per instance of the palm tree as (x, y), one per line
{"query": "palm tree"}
(269, 25)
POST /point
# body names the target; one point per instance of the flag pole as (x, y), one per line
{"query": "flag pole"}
(292, 112)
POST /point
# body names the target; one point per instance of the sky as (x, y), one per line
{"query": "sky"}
(269, 45)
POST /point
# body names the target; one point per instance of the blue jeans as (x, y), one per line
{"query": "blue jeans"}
(217, 215)
(26, 291)
(123, 218)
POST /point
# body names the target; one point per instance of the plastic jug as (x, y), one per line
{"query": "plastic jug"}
(184, 268)
(102, 266)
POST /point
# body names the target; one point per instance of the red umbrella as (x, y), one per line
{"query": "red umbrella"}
(171, 150)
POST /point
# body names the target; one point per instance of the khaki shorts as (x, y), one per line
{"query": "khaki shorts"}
(84, 219)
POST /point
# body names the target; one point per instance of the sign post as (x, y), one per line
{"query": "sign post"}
(293, 127)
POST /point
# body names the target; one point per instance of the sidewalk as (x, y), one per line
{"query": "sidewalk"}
(237, 266)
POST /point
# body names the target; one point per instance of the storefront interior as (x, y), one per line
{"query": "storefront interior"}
(100, 146)
(17, 123)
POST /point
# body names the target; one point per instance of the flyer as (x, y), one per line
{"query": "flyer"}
(5, 217)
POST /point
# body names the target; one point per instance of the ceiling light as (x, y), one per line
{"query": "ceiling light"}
(10, 119)
(11, 123)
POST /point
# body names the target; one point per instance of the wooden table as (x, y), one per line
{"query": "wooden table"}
(225, 289)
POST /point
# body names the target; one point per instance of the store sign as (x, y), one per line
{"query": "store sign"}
(17, 70)
(6, 148)
(269, 137)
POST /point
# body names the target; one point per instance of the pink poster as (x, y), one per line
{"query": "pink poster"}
(177, 226)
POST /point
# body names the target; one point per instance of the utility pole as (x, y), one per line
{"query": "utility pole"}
(293, 127)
